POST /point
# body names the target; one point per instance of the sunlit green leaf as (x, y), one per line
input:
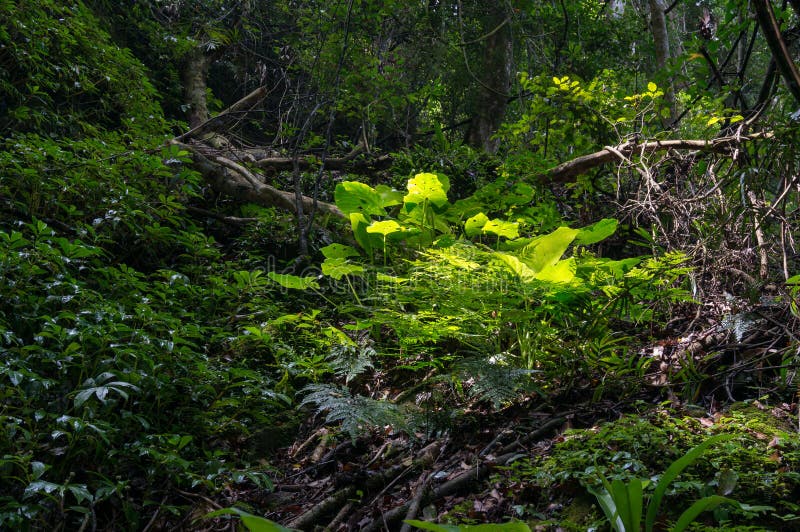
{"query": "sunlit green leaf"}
(336, 251)
(502, 228)
(385, 227)
(366, 240)
(520, 269)
(339, 267)
(474, 225)
(561, 272)
(354, 197)
(293, 281)
(389, 196)
(596, 232)
(547, 250)
(426, 186)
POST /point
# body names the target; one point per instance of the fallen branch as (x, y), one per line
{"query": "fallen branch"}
(234, 179)
(341, 163)
(308, 519)
(212, 124)
(569, 170)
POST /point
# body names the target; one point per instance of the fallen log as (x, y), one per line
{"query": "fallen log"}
(235, 180)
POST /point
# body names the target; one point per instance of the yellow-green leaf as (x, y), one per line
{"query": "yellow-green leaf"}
(502, 228)
(474, 224)
(426, 186)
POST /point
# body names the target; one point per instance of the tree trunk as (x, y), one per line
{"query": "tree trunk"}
(658, 25)
(494, 80)
(195, 70)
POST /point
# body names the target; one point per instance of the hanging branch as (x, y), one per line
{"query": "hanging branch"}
(780, 52)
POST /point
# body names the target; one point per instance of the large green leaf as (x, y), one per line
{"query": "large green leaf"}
(385, 227)
(502, 228)
(366, 240)
(547, 250)
(293, 281)
(596, 232)
(337, 251)
(389, 196)
(339, 267)
(430, 187)
(520, 269)
(562, 271)
(354, 197)
(474, 225)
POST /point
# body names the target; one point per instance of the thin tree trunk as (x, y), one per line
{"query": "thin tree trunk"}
(494, 80)
(658, 25)
(195, 70)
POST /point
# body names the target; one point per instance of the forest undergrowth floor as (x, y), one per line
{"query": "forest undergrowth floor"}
(710, 374)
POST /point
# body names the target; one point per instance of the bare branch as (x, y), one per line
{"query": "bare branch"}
(212, 124)
(569, 170)
(780, 52)
(237, 181)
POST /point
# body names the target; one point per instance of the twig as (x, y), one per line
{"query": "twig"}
(416, 502)
(307, 520)
(343, 513)
(459, 482)
(155, 514)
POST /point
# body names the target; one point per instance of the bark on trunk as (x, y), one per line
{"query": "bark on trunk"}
(658, 25)
(494, 80)
(195, 70)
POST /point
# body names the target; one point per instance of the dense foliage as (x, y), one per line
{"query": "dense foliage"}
(432, 273)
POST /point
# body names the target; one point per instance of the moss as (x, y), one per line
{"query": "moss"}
(764, 456)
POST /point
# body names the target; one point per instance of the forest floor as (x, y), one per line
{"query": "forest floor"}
(532, 461)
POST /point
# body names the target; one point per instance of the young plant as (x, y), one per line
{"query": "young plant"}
(251, 522)
(623, 503)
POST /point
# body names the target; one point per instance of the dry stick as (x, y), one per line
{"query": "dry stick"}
(307, 520)
(155, 515)
(341, 516)
(416, 502)
(762, 246)
(243, 105)
(785, 259)
(238, 182)
(456, 484)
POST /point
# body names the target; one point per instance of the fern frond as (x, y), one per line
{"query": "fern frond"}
(356, 413)
(350, 361)
(490, 381)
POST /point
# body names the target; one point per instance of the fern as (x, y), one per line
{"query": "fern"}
(350, 361)
(491, 381)
(357, 414)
